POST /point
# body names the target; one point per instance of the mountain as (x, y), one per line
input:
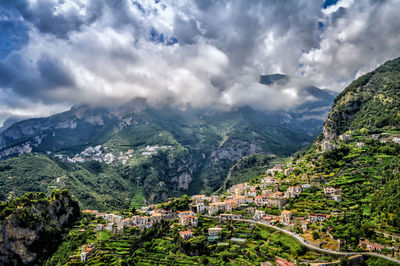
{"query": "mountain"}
(11, 120)
(306, 117)
(274, 79)
(129, 154)
(369, 103)
(356, 157)
(122, 155)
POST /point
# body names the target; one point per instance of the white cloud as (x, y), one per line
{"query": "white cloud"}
(101, 52)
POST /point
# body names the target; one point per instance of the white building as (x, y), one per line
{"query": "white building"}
(259, 214)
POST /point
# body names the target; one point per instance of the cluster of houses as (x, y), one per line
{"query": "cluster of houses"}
(213, 234)
(263, 194)
(97, 153)
(242, 194)
(117, 223)
(383, 138)
(365, 244)
(333, 193)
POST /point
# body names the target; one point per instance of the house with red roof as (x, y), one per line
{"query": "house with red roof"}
(186, 234)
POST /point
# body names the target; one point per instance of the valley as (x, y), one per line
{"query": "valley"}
(134, 154)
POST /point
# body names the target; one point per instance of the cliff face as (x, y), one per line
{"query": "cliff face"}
(32, 226)
(370, 103)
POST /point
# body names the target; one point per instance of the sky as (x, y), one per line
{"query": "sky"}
(201, 53)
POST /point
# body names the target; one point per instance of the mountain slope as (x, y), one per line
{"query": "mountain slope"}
(122, 155)
(370, 102)
(306, 117)
(125, 155)
(357, 157)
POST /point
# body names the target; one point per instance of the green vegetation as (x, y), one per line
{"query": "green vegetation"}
(369, 181)
(369, 103)
(97, 186)
(177, 204)
(162, 244)
(35, 223)
(171, 152)
(249, 166)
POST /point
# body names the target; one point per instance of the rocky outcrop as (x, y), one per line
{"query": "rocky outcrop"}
(234, 149)
(17, 150)
(34, 227)
(184, 181)
(327, 145)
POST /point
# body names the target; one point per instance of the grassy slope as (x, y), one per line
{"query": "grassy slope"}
(96, 186)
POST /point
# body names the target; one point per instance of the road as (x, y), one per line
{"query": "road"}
(308, 245)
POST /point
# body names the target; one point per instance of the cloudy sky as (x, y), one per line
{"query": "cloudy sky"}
(57, 53)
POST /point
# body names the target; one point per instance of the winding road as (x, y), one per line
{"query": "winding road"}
(308, 245)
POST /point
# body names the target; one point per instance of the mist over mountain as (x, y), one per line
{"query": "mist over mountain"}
(162, 152)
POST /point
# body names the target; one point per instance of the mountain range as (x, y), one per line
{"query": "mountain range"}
(128, 154)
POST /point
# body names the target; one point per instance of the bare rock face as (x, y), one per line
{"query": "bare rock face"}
(326, 145)
(35, 227)
(234, 149)
(184, 181)
(23, 148)
(329, 132)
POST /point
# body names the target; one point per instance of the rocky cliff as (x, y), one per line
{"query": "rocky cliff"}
(32, 226)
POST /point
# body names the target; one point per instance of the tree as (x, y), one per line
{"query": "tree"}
(315, 235)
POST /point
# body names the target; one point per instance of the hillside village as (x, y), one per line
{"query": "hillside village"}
(268, 200)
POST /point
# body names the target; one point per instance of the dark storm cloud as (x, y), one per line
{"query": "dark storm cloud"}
(191, 52)
(43, 16)
(54, 73)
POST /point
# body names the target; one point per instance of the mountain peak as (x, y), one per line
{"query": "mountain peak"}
(270, 79)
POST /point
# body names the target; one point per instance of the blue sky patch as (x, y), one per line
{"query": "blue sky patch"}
(329, 3)
(13, 33)
(157, 37)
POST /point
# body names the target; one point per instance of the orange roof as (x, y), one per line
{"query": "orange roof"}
(184, 212)
(87, 250)
(185, 232)
(90, 211)
(283, 262)
(198, 196)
